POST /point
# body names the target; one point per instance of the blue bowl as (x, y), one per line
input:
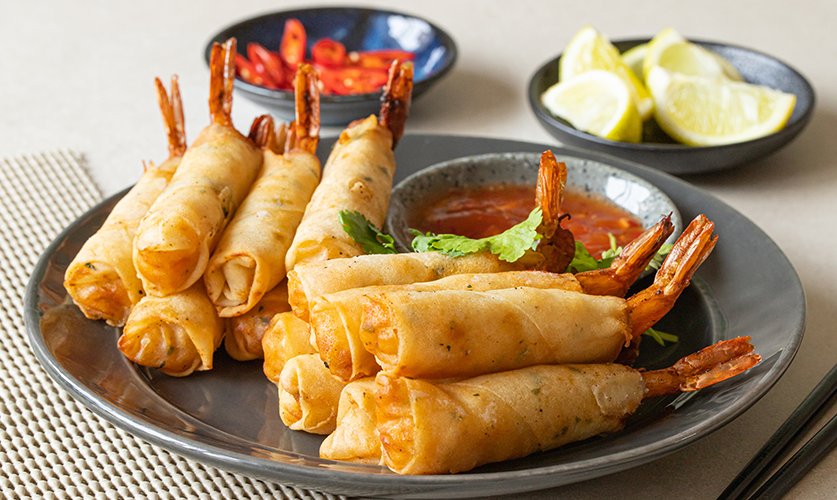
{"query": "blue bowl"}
(660, 151)
(357, 29)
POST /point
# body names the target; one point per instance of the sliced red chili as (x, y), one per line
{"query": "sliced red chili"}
(379, 59)
(247, 71)
(352, 80)
(292, 48)
(340, 73)
(270, 62)
(260, 67)
(328, 52)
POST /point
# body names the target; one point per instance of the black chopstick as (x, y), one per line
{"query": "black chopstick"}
(800, 463)
(794, 428)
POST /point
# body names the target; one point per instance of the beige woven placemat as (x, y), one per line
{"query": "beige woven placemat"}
(50, 445)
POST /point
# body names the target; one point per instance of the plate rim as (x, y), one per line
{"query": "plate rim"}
(313, 477)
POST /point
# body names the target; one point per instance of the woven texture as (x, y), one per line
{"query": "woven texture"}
(50, 445)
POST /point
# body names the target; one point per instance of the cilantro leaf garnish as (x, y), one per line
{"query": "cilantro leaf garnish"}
(370, 238)
(661, 337)
(509, 245)
(583, 261)
(660, 256)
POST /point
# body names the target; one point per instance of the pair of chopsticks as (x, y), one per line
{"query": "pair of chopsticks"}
(795, 427)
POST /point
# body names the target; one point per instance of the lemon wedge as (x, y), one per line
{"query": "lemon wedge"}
(634, 57)
(669, 50)
(589, 50)
(598, 102)
(701, 111)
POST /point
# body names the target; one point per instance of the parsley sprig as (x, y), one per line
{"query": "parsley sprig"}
(509, 245)
(361, 229)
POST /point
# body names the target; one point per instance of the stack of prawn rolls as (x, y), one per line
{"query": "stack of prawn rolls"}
(177, 333)
(177, 235)
(476, 375)
(102, 279)
(175, 327)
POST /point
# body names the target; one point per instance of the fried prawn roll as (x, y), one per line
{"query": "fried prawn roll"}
(428, 428)
(336, 318)
(177, 235)
(244, 334)
(355, 438)
(308, 395)
(285, 338)
(176, 334)
(250, 258)
(454, 333)
(102, 279)
(309, 281)
(357, 177)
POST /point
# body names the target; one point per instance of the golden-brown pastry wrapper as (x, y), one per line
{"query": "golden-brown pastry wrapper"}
(308, 395)
(176, 334)
(355, 439)
(452, 333)
(309, 281)
(357, 177)
(102, 279)
(244, 333)
(335, 318)
(250, 258)
(432, 429)
(286, 337)
(177, 235)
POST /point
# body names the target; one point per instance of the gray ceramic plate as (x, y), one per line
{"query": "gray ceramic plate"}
(632, 193)
(229, 417)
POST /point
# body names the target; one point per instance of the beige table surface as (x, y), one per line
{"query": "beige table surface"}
(79, 75)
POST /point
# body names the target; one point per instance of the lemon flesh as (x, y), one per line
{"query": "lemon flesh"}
(634, 57)
(669, 50)
(589, 50)
(597, 102)
(701, 111)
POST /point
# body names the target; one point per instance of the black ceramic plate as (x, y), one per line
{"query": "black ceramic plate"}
(229, 417)
(357, 29)
(679, 159)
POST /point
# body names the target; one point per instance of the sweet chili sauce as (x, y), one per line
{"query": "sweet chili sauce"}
(484, 211)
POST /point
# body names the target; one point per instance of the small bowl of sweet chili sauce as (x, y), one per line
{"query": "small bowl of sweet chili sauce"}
(481, 196)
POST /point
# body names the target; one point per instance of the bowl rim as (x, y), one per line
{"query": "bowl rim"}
(545, 116)
(287, 95)
(397, 204)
